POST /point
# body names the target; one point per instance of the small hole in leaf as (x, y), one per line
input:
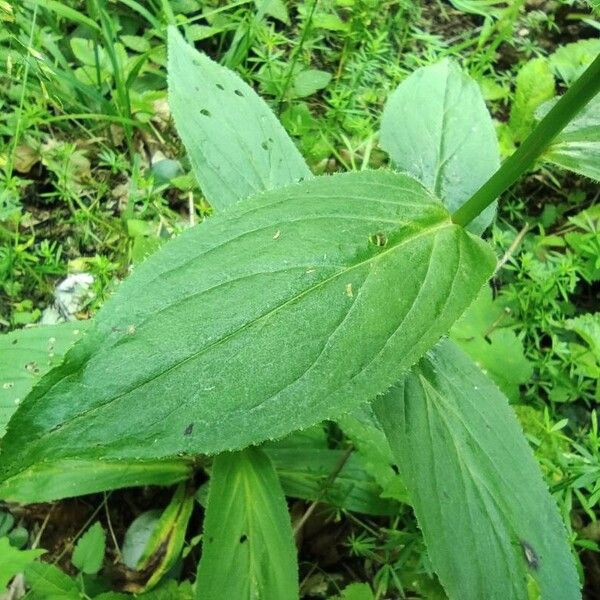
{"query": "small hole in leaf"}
(188, 430)
(220, 86)
(395, 469)
(243, 538)
(238, 93)
(205, 112)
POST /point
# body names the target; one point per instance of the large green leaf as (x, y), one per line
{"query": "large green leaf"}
(577, 147)
(436, 127)
(284, 310)
(235, 143)
(26, 355)
(248, 549)
(491, 527)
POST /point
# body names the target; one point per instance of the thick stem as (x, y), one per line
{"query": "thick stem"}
(577, 96)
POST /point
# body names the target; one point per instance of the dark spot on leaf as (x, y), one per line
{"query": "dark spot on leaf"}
(188, 430)
(14, 342)
(533, 560)
(378, 239)
(237, 93)
(220, 86)
(395, 469)
(264, 146)
(205, 112)
(243, 538)
(211, 539)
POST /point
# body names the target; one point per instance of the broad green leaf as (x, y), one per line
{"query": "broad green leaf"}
(14, 561)
(47, 582)
(357, 591)
(65, 478)
(534, 86)
(436, 127)
(170, 590)
(482, 333)
(137, 536)
(307, 82)
(274, 8)
(248, 548)
(374, 452)
(88, 554)
(588, 328)
(304, 473)
(26, 355)
(490, 524)
(571, 60)
(577, 147)
(227, 128)
(213, 327)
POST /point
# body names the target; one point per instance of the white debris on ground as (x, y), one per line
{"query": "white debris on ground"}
(70, 297)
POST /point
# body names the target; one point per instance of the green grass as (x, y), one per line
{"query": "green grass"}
(84, 125)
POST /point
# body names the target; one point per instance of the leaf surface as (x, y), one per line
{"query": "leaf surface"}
(227, 128)
(373, 451)
(577, 147)
(490, 524)
(48, 582)
(248, 548)
(89, 550)
(13, 560)
(436, 127)
(304, 473)
(26, 355)
(482, 333)
(213, 327)
(66, 478)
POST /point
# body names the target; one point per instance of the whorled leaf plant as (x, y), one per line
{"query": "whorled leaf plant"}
(300, 300)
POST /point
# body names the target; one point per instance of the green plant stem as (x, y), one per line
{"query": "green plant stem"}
(578, 95)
